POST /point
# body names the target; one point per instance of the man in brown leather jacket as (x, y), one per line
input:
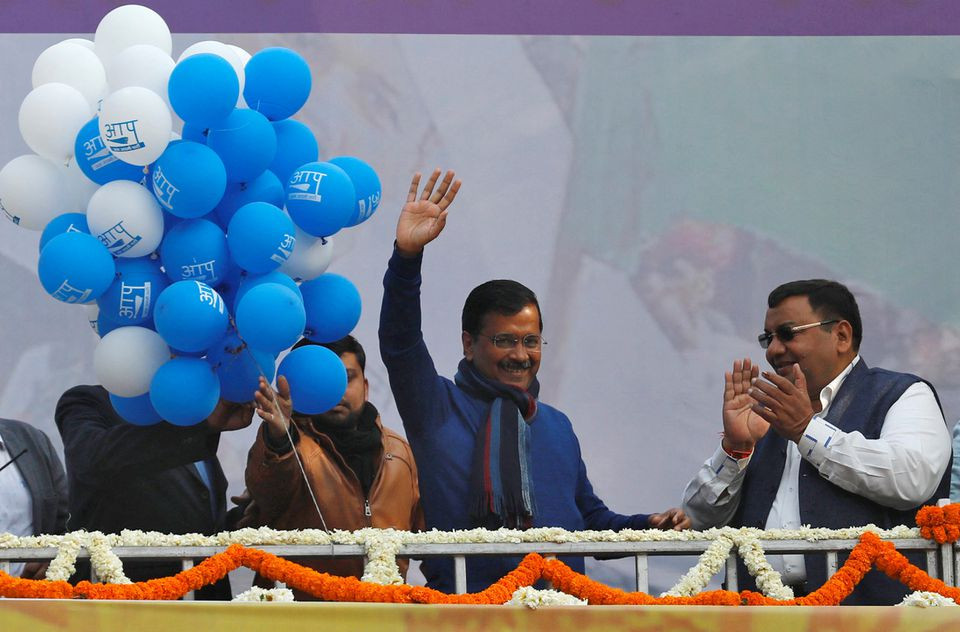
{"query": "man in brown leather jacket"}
(361, 473)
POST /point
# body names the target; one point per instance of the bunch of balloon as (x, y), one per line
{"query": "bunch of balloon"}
(201, 256)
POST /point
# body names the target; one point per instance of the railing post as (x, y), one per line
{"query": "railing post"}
(732, 585)
(460, 574)
(643, 573)
(187, 564)
(831, 563)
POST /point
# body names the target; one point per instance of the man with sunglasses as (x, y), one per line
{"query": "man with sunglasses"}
(489, 453)
(822, 440)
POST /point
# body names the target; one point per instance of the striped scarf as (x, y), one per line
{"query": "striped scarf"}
(501, 483)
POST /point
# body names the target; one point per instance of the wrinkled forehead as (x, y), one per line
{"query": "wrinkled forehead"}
(526, 321)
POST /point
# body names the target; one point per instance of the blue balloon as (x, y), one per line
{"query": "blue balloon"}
(239, 368)
(196, 249)
(276, 83)
(203, 89)
(245, 142)
(66, 223)
(136, 410)
(131, 298)
(97, 162)
(333, 306)
(321, 198)
(250, 281)
(317, 379)
(260, 237)
(188, 179)
(184, 391)
(296, 145)
(230, 285)
(195, 133)
(367, 186)
(264, 188)
(105, 324)
(190, 316)
(75, 268)
(270, 317)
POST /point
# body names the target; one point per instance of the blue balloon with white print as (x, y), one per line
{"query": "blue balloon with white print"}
(75, 268)
(188, 179)
(264, 188)
(190, 316)
(184, 391)
(136, 410)
(317, 379)
(131, 298)
(270, 317)
(196, 249)
(97, 162)
(321, 198)
(261, 237)
(366, 183)
(66, 223)
(245, 142)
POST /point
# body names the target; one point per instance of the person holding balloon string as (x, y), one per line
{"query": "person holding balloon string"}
(490, 453)
(356, 473)
(159, 477)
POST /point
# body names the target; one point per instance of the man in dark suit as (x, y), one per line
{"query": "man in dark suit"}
(33, 488)
(153, 478)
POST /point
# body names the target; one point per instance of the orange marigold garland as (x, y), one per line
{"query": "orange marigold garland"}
(941, 524)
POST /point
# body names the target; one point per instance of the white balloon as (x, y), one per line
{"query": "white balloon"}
(33, 191)
(141, 65)
(73, 65)
(126, 218)
(80, 187)
(221, 50)
(241, 54)
(93, 313)
(88, 44)
(50, 117)
(310, 257)
(128, 25)
(126, 359)
(135, 124)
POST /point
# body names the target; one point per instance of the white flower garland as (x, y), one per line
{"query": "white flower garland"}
(921, 599)
(533, 598)
(265, 594)
(382, 546)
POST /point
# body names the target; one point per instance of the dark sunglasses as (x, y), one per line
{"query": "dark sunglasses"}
(786, 333)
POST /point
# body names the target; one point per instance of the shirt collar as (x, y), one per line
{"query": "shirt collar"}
(828, 392)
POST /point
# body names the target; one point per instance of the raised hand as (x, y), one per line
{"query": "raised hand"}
(784, 403)
(422, 219)
(742, 426)
(275, 406)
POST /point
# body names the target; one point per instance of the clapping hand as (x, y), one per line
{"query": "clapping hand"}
(421, 220)
(743, 426)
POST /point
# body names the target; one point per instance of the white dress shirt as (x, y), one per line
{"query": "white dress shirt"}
(16, 504)
(900, 469)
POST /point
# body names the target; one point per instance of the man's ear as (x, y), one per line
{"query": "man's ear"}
(366, 389)
(844, 331)
(467, 340)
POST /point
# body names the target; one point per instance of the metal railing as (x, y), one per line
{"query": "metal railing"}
(941, 560)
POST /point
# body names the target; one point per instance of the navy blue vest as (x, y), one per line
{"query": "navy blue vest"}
(861, 404)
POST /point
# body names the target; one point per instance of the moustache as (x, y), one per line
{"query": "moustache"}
(513, 365)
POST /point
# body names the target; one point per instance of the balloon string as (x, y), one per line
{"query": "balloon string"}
(286, 428)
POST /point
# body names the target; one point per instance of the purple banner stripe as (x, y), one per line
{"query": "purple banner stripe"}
(537, 17)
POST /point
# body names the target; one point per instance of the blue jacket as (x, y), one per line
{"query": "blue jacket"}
(441, 422)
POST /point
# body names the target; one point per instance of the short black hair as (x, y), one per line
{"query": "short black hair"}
(829, 299)
(500, 296)
(347, 344)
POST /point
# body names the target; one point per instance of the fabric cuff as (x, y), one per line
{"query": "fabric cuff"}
(282, 446)
(725, 466)
(815, 443)
(403, 266)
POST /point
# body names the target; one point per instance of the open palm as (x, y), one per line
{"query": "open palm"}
(423, 218)
(742, 427)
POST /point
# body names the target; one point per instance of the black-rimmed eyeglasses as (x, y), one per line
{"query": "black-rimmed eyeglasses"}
(785, 333)
(531, 342)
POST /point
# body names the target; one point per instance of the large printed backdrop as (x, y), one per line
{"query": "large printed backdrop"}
(650, 190)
